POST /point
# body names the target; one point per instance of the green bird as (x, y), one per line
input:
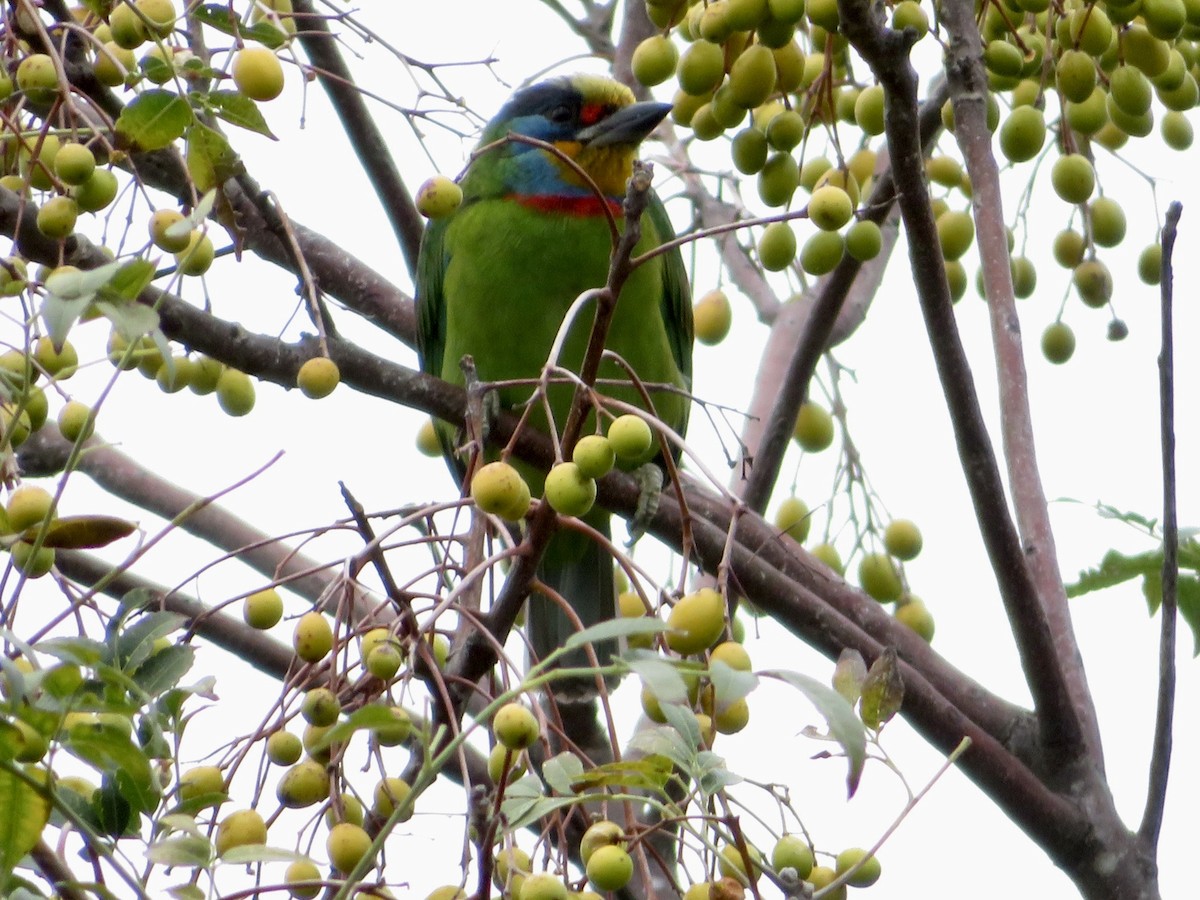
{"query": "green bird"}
(495, 280)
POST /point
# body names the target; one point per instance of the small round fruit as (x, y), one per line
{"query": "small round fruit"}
(600, 834)
(1058, 342)
(395, 732)
(544, 886)
(712, 317)
(916, 615)
(864, 240)
(512, 867)
(303, 785)
(631, 439)
(168, 231)
(1149, 264)
(126, 27)
(654, 60)
(902, 539)
(593, 456)
(384, 662)
(37, 77)
(351, 811)
(298, 872)
(1023, 134)
(701, 68)
(830, 208)
(438, 196)
(778, 179)
(499, 757)
(868, 872)
(733, 717)
(777, 247)
(97, 192)
(823, 876)
(197, 257)
(313, 736)
(610, 868)
(696, 622)
(174, 378)
(1093, 282)
(498, 489)
(28, 505)
(956, 231)
(749, 151)
(263, 609)
(318, 377)
(1107, 221)
(284, 748)
(1073, 178)
(75, 422)
(427, 440)
(878, 577)
(235, 392)
(822, 252)
(74, 164)
(257, 73)
(814, 427)
(60, 362)
(346, 845)
(239, 829)
(515, 726)
(1069, 247)
(569, 491)
(199, 781)
(793, 519)
(320, 706)
(732, 654)
(792, 852)
(313, 637)
(160, 14)
(731, 862)
(389, 794)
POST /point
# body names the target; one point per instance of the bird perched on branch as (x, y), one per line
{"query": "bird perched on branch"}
(497, 276)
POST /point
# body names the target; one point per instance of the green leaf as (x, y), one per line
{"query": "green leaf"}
(153, 120)
(129, 281)
(237, 109)
(26, 812)
(650, 773)
(684, 721)
(714, 775)
(1115, 568)
(849, 675)
(253, 853)
(210, 158)
(659, 674)
(882, 691)
(562, 771)
(222, 19)
(83, 532)
(524, 803)
(83, 651)
(1189, 608)
(130, 320)
(626, 626)
(187, 891)
(110, 751)
(60, 315)
(730, 684)
(135, 644)
(162, 670)
(181, 850)
(367, 718)
(844, 726)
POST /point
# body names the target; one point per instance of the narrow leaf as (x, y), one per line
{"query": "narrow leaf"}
(83, 532)
(237, 109)
(26, 812)
(883, 690)
(849, 674)
(615, 628)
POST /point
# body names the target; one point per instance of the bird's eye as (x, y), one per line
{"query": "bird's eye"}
(561, 115)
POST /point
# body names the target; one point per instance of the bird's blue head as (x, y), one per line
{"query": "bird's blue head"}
(592, 120)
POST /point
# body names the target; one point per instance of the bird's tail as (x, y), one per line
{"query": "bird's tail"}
(581, 572)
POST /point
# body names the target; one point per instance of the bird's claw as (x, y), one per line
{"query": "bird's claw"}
(650, 484)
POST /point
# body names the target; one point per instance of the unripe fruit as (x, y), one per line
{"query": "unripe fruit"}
(320, 706)
(878, 577)
(197, 257)
(610, 868)
(438, 196)
(263, 609)
(346, 845)
(284, 748)
(696, 622)
(32, 563)
(1075, 74)
(569, 491)
(828, 554)
(1131, 91)
(384, 662)
(864, 240)
(498, 489)
(389, 794)
(593, 456)
(37, 78)
(814, 427)
(74, 421)
(543, 886)
(160, 13)
(701, 68)
(97, 192)
(777, 246)
(1090, 29)
(60, 362)
(956, 232)
(1058, 342)
(240, 829)
(822, 252)
(313, 736)
(512, 867)
(732, 654)
(398, 730)
(600, 834)
(1069, 248)
(257, 73)
(318, 377)
(712, 317)
(749, 151)
(1107, 221)
(1150, 264)
(654, 60)
(732, 863)
(515, 726)
(56, 218)
(235, 392)
(777, 180)
(303, 785)
(300, 871)
(1093, 282)
(167, 230)
(866, 875)
(28, 505)
(902, 539)
(1177, 132)
(1024, 276)
(793, 519)
(427, 439)
(830, 208)
(629, 605)
(752, 76)
(792, 852)
(74, 164)
(786, 130)
(916, 615)
(868, 109)
(499, 757)
(313, 637)
(632, 440)
(199, 781)
(15, 427)
(733, 717)
(823, 876)
(1073, 178)
(1164, 18)
(1023, 134)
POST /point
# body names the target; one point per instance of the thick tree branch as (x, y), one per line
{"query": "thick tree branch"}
(1160, 755)
(968, 82)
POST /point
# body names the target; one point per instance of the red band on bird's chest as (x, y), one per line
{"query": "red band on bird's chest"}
(587, 205)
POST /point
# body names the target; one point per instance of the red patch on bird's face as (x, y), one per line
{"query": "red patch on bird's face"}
(592, 113)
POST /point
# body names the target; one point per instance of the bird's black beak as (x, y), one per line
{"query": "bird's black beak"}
(629, 125)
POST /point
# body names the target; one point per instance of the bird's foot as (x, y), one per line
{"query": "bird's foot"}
(650, 484)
